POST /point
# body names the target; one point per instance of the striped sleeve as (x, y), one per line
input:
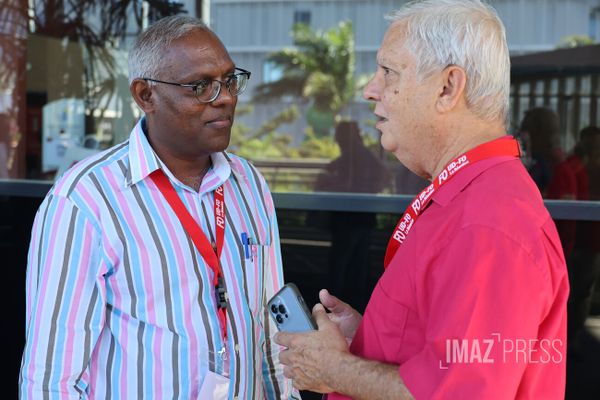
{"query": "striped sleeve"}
(276, 385)
(65, 301)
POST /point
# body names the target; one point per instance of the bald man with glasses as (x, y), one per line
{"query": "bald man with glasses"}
(151, 262)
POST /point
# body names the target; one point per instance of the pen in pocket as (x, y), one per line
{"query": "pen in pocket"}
(246, 244)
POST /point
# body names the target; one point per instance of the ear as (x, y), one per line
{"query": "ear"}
(141, 92)
(454, 80)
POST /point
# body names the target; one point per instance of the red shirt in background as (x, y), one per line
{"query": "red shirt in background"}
(569, 182)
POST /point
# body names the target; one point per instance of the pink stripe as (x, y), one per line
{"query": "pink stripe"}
(175, 230)
(139, 242)
(123, 326)
(94, 375)
(258, 284)
(143, 161)
(42, 290)
(32, 260)
(147, 277)
(160, 205)
(89, 199)
(238, 317)
(76, 298)
(124, 334)
(156, 350)
(111, 253)
(274, 277)
(212, 180)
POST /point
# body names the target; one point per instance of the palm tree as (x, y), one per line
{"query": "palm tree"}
(319, 69)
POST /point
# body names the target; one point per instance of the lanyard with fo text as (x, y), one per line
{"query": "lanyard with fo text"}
(210, 252)
(505, 146)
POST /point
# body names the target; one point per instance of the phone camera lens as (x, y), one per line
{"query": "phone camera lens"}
(282, 309)
(279, 318)
(274, 308)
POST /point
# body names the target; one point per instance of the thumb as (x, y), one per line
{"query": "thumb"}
(332, 303)
(320, 316)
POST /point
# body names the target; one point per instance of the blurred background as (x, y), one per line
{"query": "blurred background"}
(64, 95)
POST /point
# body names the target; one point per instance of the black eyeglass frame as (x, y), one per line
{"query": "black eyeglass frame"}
(194, 86)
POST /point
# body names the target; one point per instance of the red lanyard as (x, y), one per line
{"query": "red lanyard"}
(210, 253)
(505, 146)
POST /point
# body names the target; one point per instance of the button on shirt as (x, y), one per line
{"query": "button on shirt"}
(120, 303)
(473, 304)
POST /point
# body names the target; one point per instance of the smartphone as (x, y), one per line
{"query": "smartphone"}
(289, 311)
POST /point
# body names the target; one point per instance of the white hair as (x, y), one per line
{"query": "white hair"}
(149, 48)
(465, 33)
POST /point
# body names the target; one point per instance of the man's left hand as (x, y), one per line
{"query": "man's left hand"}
(311, 357)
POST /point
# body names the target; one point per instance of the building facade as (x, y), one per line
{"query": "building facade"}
(253, 29)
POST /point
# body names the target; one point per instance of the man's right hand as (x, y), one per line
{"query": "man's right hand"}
(342, 314)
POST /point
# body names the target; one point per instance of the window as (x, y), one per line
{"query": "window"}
(271, 72)
(302, 17)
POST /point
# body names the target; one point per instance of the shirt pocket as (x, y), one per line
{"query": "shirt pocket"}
(253, 255)
(250, 223)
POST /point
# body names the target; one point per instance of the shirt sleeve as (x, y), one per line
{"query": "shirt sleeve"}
(277, 386)
(484, 296)
(65, 301)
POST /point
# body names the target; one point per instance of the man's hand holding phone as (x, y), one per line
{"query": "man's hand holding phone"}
(310, 356)
(342, 314)
(289, 311)
(311, 352)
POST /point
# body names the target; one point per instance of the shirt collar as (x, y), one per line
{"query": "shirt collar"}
(143, 161)
(447, 192)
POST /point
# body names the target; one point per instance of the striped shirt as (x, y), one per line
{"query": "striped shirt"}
(120, 303)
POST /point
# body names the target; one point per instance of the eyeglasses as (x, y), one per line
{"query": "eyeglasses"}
(207, 90)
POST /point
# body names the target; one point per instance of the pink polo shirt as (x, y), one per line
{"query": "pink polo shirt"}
(473, 304)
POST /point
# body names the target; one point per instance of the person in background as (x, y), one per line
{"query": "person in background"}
(584, 260)
(472, 303)
(150, 264)
(541, 130)
(554, 174)
(356, 170)
(567, 178)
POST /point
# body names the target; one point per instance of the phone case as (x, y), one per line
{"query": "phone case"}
(289, 311)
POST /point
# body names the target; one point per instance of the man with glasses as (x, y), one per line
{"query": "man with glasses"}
(150, 263)
(472, 303)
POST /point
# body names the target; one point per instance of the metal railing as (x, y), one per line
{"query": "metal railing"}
(354, 202)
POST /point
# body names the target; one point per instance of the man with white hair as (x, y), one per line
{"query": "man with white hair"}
(150, 263)
(472, 303)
